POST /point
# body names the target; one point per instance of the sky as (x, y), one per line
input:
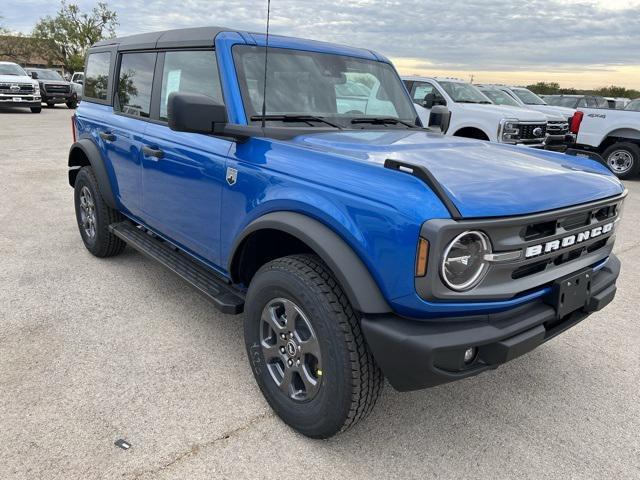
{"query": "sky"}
(577, 43)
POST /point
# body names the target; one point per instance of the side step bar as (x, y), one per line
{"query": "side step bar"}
(206, 281)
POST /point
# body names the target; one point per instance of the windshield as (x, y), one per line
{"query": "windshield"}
(528, 97)
(634, 105)
(334, 87)
(463, 92)
(48, 75)
(569, 102)
(499, 97)
(12, 69)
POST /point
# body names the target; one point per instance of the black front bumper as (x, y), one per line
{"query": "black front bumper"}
(418, 354)
(58, 97)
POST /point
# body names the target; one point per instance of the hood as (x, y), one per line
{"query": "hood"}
(550, 116)
(53, 82)
(482, 179)
(503, 111)
(16, 79)
(563, 112)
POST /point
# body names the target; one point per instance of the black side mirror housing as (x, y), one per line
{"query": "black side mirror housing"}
(429, 100)
(34, 75)
(440, 117)
(196, 113)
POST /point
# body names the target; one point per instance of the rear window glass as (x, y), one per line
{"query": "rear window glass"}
(134, 83)
(96, 83)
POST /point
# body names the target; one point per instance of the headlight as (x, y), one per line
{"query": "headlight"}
(36, 89)
(509, 130)
(464, 264)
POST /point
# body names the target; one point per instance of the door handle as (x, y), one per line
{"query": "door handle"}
(153, 153)
(107, 137)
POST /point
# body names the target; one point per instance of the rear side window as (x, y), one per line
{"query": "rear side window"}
(192, 72)
(96, 83)
(135, 79)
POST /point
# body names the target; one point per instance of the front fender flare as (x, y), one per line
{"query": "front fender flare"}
(352, 274)
(92, 153)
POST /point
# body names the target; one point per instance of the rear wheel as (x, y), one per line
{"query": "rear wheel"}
(306, 348)
(94, 216)
(36, 109)
(623, 159)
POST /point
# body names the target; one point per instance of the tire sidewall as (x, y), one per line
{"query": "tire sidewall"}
(85, 178)
(633, 150)
(327, 411)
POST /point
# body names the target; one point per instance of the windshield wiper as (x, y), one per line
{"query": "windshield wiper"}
(296, 118)
(466, 101)
(383, 121)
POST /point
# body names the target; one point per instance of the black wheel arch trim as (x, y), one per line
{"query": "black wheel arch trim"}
(354, 277)
(92, 152)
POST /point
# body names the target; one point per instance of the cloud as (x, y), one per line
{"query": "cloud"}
(471, 35)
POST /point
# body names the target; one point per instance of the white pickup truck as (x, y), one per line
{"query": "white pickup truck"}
(473, 115)
(614, 134)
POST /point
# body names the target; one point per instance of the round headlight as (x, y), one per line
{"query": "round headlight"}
(464, 264)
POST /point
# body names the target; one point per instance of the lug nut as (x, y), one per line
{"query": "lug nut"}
(290, 362)
(282, 350)
(283, 336)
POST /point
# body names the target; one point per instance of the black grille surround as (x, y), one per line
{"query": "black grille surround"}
(54, 88)
(509, 279)
(557, 127)
(526, 131)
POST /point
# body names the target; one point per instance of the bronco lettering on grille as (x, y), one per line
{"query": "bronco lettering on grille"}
(552, 246)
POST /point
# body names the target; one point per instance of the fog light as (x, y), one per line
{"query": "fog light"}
(469, 354)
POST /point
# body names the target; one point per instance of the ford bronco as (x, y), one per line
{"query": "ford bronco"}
(293, 181)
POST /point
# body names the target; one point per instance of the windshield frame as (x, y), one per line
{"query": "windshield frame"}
(482, 99)
(16, 68)
(511, 102)
(398, 97)
(47, 72)
(518, 90)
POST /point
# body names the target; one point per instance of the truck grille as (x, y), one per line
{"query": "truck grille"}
(57, 88)
(527, 131)
(557, 127)
(25, 88)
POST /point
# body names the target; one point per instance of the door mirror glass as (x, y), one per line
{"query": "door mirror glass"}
(196, 113)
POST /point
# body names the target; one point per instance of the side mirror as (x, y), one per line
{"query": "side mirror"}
(196, 113)
(429, 100)
(440, 117)
(34, 75)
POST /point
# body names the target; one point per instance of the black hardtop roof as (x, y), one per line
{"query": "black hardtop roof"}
(178, 38)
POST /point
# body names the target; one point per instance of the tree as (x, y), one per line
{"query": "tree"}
(73, 32)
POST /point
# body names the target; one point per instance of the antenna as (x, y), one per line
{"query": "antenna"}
(266, 53)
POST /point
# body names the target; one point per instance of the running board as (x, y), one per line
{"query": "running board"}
(206, 281)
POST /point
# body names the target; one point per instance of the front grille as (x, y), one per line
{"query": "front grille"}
(550, 245)
(25, 88)
(527, 131)
(557, 128)
(57, 88)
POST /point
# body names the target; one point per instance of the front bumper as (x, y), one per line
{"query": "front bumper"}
(58, 97)
(419, 354)
(19, 101)
(559, 143)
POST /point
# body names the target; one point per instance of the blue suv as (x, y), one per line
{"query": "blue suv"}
(294, 182)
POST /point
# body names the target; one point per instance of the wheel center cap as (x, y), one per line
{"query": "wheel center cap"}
(291, 348)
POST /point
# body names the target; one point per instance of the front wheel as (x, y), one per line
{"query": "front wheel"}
(306, 348)
(623, 159)
(51, 104)
(72, 104)
(36, 109)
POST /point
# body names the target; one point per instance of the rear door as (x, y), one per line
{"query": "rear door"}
(183, 173)
(123, 136)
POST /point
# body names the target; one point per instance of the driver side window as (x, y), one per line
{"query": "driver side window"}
(421, 90)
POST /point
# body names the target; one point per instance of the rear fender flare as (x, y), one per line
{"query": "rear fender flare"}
(92, 153)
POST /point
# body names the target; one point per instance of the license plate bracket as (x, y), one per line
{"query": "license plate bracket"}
(571, 293)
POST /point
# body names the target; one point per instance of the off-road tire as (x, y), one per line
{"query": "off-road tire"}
(51, 105)
(36, 109)
(629, 149)
(351, 380)
(72, 104)
(104, 243)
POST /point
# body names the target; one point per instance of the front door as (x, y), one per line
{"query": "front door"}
(183, 173)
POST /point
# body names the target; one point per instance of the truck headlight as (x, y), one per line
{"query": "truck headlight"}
(509, 130)
(36, 89)
(464, 264)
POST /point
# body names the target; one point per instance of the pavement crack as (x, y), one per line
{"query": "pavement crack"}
(196, 448)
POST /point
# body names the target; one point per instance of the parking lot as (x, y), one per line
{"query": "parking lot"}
(95, 350)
